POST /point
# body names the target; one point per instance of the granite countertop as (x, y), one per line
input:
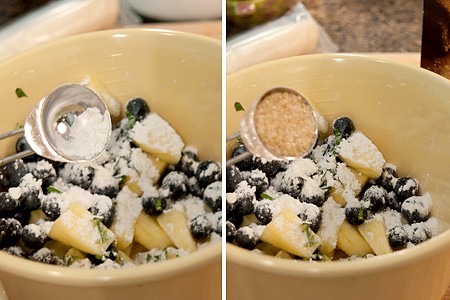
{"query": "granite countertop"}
(370, 26)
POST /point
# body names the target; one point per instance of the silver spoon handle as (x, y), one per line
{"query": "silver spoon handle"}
(11, 133)
(15, 156)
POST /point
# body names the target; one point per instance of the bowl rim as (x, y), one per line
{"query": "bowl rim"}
(61, 275)
(269, 264)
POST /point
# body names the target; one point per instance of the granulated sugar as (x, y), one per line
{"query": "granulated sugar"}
(285, 124)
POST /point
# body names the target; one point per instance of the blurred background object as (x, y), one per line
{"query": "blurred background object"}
(249, 13)
(435, 54)
(177, 10)
(26, 25)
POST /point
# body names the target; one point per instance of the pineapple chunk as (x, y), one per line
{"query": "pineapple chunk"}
(155, 136)
(362, 179)
(374, 232)
(351, 241)
(113, 105)
(332, 217)
(174, 222)
(124, 259)
(159, 164)
(127, 210)
(267, 249)
(72, 255)
(287, 232)
(337, 192)
(283, 254)
(249, 219)
(358, 152)
(149, 234)
(77, 227)
(36, 215)
(58, 248)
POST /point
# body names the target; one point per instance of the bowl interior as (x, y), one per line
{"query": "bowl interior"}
(404, 110)
(178, 74)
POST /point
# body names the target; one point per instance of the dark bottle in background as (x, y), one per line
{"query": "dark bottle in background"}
(435, 55)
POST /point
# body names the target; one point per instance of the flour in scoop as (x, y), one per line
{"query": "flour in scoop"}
(286, 124)
(86, 137)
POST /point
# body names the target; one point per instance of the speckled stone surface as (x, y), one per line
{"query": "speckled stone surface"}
(370, 25)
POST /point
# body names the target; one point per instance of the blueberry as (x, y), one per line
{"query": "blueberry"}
(81, 175)
(258, 179)
(234, 177)
(291, 185)
(245, 164)
(312, 215)
(104, 208)
(243, 204)
(246, 237)
(110, 253)
(213, 195)
(10, 232)
(50, 206)
(16, 251)
(415, 209)
(22, 216)
(356, 215)
(175, 183)
(419, 233)
(218, 226)
(344, 126)
(44, 255)
(235, 219)
(406, 187)
(392, 201)
(29, 199)
(208, 171)
(11, 173)
(194, 187)
(154, 206)
(312, 193)
(374, 198)
(263, 211)
(45, 171)
(387, 178)
(269, 167)
(34, 236)
(8, 205)
(188, 162)
(200, 227)
(110, 190)
(398, 237)
(138, 108)
(22, 145)
(231, 232)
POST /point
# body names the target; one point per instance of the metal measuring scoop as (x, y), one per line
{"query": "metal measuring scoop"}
(290, 119)
(51, 119)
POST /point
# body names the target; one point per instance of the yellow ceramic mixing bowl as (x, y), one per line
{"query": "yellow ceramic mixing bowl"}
(179, 75)
(405, 111)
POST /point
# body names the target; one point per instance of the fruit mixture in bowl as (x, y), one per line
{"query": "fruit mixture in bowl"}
(147, 198)
(341, 202)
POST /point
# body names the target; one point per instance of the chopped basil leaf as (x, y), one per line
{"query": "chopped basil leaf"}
(131, 120)
(238, 106)
(265, 196)
(52, 189)
(20, 93)
(101, 229)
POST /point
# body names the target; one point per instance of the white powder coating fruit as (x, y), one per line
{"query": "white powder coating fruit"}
(88, 135)
(155, 135)
(359, 152)
(285, 123)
